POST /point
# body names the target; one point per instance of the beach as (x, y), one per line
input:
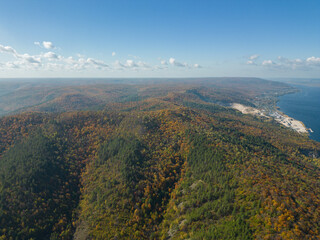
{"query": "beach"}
(280, 117)
(290, 122)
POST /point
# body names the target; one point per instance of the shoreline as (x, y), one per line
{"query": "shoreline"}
(277, 115)
(290, 122)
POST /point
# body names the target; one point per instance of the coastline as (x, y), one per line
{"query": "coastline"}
(303, 105)
(277, 115)
(290, 122)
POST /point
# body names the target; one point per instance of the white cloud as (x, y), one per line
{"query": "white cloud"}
(30, 59)
(173, 62)
(143, 64)
(289, 61)
(118, 65)
(11, 65)
(130, 63)
(267, 62)
(113, 54)
(253, 57)
(51, 55)
(8, 49)
(51, 61)
(286, 63)
(97, 63)
(313, 60)
(47, 45)
(22, 59)
(162, 67)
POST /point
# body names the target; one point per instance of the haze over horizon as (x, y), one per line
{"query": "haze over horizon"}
(160, 39)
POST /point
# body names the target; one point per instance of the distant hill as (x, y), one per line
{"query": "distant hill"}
(312, 82)
(59, 95)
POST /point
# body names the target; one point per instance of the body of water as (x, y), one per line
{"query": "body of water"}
(304, 106)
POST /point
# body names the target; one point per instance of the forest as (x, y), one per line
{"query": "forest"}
(156, 160)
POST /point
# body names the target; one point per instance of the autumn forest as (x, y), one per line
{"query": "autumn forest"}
(153, 159)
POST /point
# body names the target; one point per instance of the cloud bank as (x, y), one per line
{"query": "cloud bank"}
(285, 63)
(175, 63)
(52, 61)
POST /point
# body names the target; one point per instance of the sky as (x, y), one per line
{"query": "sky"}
(160, 38)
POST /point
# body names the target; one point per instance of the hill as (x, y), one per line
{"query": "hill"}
(169, 162)
(60, 95)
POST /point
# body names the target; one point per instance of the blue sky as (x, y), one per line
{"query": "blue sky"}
(150, 38)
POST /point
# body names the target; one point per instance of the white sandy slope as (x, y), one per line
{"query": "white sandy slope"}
(290, 122)
(278, 116)
(247, 110)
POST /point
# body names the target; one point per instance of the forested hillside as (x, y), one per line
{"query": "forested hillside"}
(171, 164)
(61, 95)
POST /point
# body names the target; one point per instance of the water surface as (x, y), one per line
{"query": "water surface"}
(304, 106)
